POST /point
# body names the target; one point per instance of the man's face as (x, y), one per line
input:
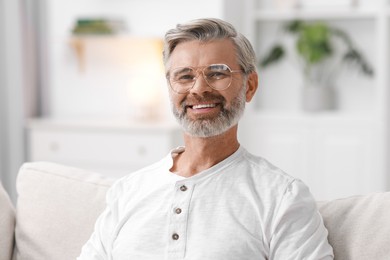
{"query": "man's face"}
(204, 111)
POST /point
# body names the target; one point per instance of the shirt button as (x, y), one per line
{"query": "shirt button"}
(183, 188)
(175, 236)
(178, 210)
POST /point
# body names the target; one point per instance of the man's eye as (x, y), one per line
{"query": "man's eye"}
(185, 77)
(216, 75)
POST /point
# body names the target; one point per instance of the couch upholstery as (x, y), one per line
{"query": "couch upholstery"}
(359, 226)
(7, 225)
(57, 207)
(56, 210)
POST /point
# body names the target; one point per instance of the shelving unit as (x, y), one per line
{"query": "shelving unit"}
(110, 147)
(337, 153)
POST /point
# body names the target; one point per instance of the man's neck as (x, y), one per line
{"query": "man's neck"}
(203, 153)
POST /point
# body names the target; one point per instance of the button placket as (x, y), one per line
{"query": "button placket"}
(178, 219)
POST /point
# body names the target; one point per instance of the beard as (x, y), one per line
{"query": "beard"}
(212, 126)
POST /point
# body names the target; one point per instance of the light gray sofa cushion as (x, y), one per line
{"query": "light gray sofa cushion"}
(7, 225)
(56, 210)
(359, 226)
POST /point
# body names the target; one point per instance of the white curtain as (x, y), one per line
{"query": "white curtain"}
(12, 115)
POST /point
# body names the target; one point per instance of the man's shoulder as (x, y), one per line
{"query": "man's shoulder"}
(270, 180)
(263, 165)
(264, 171)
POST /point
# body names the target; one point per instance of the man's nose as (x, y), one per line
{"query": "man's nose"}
(201, 85)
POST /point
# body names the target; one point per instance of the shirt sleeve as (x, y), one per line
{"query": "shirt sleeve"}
(298, 229)
(99, 245)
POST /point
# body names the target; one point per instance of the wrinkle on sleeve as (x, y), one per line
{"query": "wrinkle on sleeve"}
(298, 231)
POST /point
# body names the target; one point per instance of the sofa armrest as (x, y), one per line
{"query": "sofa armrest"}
(7, 225)
(56, 210)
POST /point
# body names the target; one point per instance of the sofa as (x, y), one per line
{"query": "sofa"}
(57, 206)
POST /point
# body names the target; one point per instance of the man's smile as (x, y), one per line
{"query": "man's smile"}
(209, 108)
(203, 106)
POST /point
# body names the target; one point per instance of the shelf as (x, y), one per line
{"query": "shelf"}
(79, 44)
(329, 14)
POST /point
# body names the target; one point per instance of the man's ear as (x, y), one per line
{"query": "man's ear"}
(252, 84)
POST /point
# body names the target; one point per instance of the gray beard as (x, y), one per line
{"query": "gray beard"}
(208, 127)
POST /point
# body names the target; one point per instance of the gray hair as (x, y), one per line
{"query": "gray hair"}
(207, 30)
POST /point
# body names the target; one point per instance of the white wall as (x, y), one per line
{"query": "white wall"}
(100, 91)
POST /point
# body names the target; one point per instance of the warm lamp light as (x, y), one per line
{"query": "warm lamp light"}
(146, 79)
(144, 94)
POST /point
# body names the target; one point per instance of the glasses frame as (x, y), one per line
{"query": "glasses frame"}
(198, 69)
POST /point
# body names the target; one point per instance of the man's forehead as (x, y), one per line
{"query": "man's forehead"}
(198, 53)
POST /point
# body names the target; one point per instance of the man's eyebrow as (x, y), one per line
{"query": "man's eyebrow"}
(180, 70)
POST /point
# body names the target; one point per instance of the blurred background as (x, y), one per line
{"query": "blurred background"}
(82, 84)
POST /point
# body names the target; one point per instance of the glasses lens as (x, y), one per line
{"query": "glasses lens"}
(218, 76)
(182, 79)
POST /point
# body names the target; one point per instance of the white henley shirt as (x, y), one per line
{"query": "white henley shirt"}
(243, 208)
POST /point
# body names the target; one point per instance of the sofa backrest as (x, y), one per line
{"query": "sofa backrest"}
(58, 205)
(359, 226)
(56, 210)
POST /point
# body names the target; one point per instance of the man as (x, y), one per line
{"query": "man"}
(209, 200)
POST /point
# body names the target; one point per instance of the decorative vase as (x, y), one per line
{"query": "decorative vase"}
(318, 98)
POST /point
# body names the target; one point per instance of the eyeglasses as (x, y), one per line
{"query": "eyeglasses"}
(217, 76)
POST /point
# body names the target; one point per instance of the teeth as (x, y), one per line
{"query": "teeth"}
(203, 106)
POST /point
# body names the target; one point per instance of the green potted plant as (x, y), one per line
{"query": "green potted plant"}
(321, 50)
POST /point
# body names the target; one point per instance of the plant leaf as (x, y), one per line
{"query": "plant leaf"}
(294, 26)
(313, 43)
(275, 54)
(354, 58)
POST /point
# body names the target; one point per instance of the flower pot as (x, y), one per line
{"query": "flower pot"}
(318, 98)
